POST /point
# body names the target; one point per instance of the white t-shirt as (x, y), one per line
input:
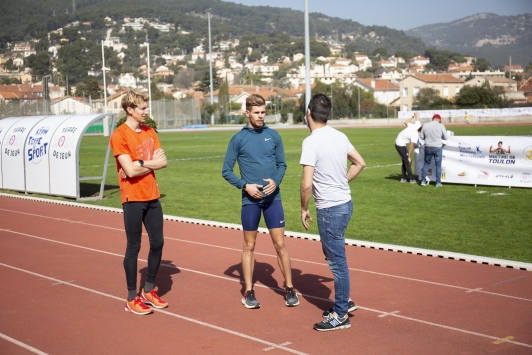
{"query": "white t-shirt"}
(407, 135)
(326, 150)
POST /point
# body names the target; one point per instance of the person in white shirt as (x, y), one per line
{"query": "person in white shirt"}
(409, 135)
(324, 156)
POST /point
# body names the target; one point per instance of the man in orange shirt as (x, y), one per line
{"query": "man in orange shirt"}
(138, 153)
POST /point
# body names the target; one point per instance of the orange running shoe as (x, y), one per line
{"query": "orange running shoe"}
(153, 299)
(137, 306)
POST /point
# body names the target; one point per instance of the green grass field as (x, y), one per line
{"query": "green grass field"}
(454, 218)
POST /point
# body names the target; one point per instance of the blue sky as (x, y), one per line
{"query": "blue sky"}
(400, 14)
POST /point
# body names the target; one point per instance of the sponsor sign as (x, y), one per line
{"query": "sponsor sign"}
(5, 124)
(490, 160)
(63, 155)
(37, 154)
(13, 173)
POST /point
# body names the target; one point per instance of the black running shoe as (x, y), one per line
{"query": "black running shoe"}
(249, 300)
(351, 306)
(291, 297)
(333, 323)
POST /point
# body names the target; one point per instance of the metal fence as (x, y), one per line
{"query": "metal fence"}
(167, 113)
(175, 113)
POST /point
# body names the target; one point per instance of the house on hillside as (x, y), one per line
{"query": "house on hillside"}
(419, 61)
(70, 105)
(384, 91)
(447, 85)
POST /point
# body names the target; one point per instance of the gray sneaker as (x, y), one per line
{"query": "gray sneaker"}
(291, 297)
(249, 300)
(333, 323)
(413, 181)
(351, 306)
(403, 180)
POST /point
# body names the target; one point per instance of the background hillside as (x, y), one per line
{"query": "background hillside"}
(490, 36)
(26, 19)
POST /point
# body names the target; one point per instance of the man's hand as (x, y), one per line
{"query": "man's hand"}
(304, 216)
(253, 191)
(159, 153)
(122, 173)
(270, 188)
(409, 161)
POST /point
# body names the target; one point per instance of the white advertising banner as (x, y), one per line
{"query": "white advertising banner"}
(484, 160)
(64, 158)
(487, 112)
(13, 153)
(37, 154)
(5, 124)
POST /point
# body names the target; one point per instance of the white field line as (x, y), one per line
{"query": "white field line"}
(22, 345)
(467, 289)
(234, 280)
(121, 299)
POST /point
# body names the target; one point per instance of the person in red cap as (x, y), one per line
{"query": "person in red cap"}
(433, 133)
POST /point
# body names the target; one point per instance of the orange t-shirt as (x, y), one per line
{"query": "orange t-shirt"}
(139, 146)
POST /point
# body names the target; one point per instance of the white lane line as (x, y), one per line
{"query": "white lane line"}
(452, 328)
(510, 280)
(467, 289)
(394, 314)
(121, 299)
(22, 345)
(272, 348)
(389, 314)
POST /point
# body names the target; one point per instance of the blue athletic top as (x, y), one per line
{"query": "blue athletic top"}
(260, 155)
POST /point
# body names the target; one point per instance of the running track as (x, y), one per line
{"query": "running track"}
(63, 289)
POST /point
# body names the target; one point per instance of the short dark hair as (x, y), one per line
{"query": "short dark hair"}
(500, 142)
(320, 108)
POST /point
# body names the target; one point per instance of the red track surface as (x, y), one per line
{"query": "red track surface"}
(63, 290)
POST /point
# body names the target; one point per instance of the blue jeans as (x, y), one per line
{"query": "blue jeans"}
(332, 223)
(430, 152)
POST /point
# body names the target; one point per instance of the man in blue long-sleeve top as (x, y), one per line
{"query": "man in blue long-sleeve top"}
(260, 155)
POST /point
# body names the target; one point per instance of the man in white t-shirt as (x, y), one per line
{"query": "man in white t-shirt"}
(324, 157)
(409, 135)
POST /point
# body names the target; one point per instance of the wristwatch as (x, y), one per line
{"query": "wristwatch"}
(141, 162)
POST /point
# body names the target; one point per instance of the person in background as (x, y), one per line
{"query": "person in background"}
(433, 133)
(408, 136)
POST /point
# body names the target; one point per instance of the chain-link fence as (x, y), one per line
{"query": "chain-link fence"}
(167, 113)
(175, 113)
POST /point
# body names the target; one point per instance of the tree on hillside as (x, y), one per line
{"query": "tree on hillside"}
(481, 65)
(39, 63)
(480, 97)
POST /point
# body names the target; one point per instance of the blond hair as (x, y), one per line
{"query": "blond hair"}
(133, 99)
(254, 100)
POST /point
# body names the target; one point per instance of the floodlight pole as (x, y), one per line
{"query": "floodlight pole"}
(149, 80)
(104, 84)
(307, 59)
(210, 64)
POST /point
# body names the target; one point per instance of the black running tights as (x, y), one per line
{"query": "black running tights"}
(135, 214)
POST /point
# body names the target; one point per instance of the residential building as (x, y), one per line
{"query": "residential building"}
(509, 85)
(419, 61)
(127, 80)
(384, 91)
(447, 85)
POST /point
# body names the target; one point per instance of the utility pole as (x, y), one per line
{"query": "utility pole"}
(358, 102)
(210, 63)
(307, 60)
(106, 118)
(149, 75)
